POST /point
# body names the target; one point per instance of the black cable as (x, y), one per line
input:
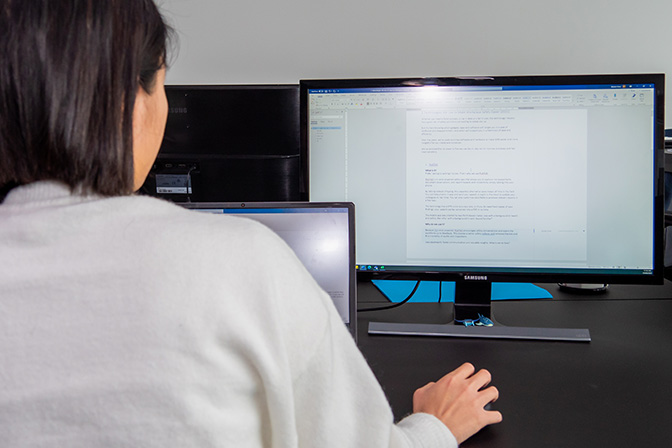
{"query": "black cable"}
(440, 290)
(193, 167)
(389, 307)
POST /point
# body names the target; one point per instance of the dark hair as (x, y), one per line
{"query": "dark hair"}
(69, 74)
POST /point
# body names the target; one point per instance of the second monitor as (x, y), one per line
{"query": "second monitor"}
(229, 143)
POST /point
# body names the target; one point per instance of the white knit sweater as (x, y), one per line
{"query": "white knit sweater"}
(131, 322)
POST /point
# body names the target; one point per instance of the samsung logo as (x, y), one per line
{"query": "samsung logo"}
(178, 110)
(476, 277)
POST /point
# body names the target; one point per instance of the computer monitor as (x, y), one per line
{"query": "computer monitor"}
(229, 143)
(504, 179)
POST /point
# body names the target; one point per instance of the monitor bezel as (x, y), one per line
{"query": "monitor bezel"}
(498, 274)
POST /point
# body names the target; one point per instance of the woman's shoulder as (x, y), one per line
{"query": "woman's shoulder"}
(164, 221)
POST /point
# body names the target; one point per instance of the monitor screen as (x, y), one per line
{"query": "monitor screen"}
(532, 178)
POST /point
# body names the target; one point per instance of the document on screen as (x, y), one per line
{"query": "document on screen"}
(494, 185)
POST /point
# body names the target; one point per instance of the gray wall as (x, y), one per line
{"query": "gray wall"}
(265, 41)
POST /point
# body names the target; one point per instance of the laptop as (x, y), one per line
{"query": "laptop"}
(322, 234)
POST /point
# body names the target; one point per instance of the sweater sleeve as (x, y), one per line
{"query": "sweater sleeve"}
(339, 402)
(328, 396)
(432, 431)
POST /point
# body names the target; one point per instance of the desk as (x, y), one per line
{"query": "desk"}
(615, 391)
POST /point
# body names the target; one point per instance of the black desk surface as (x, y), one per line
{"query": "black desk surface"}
(615, 391)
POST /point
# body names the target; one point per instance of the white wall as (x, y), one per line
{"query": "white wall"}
(266, 41)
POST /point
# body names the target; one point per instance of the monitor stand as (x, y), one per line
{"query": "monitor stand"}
(471, 299)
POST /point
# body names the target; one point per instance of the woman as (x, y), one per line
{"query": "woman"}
(129, 321)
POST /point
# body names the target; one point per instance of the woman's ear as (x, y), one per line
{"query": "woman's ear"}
(149, 122)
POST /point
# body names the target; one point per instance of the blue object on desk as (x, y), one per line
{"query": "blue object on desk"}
(428, 291)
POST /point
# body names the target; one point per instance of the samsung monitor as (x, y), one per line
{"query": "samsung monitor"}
(494, 179)
(229, 143)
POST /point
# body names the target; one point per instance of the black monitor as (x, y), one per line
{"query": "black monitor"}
(229, 143)
(494, 179)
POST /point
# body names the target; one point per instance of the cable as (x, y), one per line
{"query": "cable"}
(389, 307)
(193, 167)
(440, 290)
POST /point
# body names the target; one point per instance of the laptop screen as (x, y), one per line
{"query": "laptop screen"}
(322, 236)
